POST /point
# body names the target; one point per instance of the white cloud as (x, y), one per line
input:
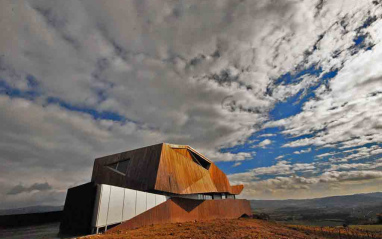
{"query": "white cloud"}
(280, 157)
(282, 92)
(326, 184)
(267, 135)
(264, 143)
(324, 155)
(303, 151)
(280, 168)
(358, 154)
(359, 166)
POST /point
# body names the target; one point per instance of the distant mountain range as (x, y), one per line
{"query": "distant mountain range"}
(32, 209)
(347, 201)
(349, 208)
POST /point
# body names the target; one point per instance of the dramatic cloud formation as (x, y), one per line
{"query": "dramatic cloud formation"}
(36, 186)
(303, 187)
(283, 95)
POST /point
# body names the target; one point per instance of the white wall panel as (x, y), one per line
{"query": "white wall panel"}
(150, 200)
(115, 205)
(129, 204)
(103, 205)
(217, 196)
(141, 202)
(159, 199)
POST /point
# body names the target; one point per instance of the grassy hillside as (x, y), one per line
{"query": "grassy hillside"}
(238, 228)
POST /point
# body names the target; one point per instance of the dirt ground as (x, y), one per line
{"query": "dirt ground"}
(225, 229)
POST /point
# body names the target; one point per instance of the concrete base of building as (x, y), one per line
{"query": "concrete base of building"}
(183, 210)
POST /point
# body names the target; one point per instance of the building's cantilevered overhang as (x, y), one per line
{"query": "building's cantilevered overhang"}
(166, 168)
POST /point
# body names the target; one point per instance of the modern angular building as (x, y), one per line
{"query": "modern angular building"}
(156, 184)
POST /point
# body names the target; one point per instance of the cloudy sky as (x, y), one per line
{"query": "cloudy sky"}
(285, 96)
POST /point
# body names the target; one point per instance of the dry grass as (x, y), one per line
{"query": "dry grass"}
(338, 232)
(238, 228)
(376, 228)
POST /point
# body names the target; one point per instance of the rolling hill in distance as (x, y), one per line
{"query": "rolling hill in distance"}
(29, 210)
(354, 209)
(345, 201)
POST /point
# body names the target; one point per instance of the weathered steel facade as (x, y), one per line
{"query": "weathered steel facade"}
(182, 210)
(193, 186)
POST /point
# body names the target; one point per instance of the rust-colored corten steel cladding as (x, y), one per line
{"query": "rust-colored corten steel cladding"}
(182, 210)
(181, 175)
(167, 168)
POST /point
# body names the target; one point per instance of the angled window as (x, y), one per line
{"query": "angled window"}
(113, 165)
(120, 167)
(199, 160)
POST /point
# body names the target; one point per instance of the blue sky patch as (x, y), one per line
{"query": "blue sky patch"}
(106, 115)
(13, 92)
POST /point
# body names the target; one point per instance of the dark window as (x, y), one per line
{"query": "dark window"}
(120, 167)
(199, 160)
(113, 165)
